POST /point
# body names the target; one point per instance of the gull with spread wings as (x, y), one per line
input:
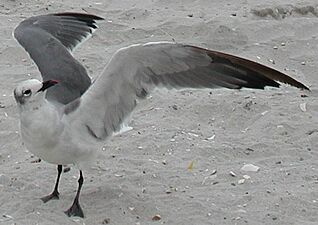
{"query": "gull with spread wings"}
(65, 118)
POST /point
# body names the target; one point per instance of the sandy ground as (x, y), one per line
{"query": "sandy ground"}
(144, 172)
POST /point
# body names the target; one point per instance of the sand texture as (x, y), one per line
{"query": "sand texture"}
(178, 159)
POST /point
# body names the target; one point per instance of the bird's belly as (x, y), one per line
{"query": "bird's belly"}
(60, 150)
(52, 154)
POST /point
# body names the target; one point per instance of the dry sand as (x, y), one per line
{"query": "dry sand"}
(145, 172)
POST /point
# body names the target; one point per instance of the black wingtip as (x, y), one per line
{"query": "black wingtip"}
(303, 87)
(259, 75)
(84, 16)
(89, 19)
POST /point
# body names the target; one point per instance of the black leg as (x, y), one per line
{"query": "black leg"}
(75, 209)
(55, 194)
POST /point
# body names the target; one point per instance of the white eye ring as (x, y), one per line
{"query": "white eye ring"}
(27, 92)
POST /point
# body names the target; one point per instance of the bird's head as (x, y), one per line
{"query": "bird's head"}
(30, 90)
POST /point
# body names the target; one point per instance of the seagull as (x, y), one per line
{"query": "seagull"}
(66, 118)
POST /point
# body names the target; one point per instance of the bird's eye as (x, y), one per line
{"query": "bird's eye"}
(27, 92)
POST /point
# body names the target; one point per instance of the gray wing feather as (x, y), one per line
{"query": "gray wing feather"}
(135, 71)
(49, 39)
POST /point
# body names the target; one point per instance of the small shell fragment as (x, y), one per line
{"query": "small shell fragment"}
(116, 175)
(250, 168)
(241, 181)
(264, 113)
(232, 174)
(156, 217)
(193, 134)
(7, 216)
(246, 177)
(272, 61)
(211, 138)
(303, 106)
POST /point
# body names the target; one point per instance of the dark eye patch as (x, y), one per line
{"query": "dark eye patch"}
(27, 92)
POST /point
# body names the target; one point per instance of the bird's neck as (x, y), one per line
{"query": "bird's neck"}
(37, 119)
(33, 105)
(37, 110)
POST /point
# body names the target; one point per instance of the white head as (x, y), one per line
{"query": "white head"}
(31, 90)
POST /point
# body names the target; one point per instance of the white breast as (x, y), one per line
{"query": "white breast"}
(47, 136)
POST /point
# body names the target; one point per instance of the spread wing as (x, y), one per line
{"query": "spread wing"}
(134, 72)
(49, 39)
